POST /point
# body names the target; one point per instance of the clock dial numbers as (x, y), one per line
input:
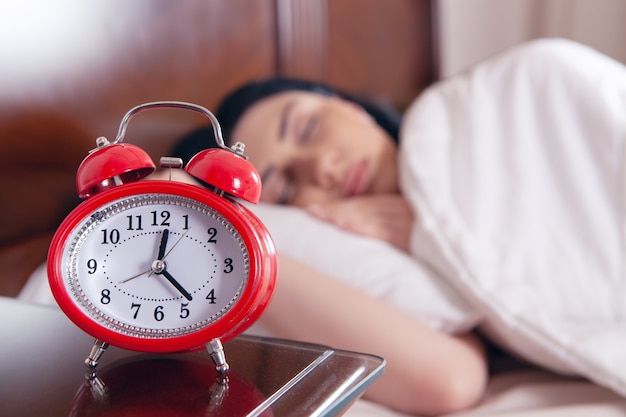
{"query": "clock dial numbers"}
(156, 266)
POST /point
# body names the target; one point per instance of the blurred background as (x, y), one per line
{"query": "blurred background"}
(357, 44)
(471, 30)
(71, 69)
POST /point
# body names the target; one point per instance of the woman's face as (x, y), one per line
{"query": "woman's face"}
(311, 148)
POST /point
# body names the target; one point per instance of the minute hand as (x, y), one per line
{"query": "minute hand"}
(175, 283)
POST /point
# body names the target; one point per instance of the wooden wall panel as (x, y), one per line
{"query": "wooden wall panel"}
(303, 38)
(140, 51)
(115, 55)
(381, 47)
(375, 47)
(71, 69)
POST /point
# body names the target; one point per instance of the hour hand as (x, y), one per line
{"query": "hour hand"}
(163, 244)
(157, 264)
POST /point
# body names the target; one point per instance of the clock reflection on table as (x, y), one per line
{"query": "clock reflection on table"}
(42, 374)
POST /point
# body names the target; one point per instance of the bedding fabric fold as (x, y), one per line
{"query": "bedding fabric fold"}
(516, 172)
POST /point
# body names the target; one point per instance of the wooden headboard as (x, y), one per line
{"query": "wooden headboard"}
(71, 81)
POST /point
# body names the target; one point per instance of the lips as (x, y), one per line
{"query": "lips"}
(357, 179)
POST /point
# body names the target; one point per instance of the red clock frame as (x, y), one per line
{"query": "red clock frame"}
(252, 302)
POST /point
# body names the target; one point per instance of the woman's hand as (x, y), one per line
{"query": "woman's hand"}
(383, 216)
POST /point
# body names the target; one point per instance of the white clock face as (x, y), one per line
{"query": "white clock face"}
(155, 265)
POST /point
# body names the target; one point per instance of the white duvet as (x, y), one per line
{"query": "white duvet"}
(516, 173)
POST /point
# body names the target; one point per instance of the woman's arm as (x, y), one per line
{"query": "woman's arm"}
(427, 372)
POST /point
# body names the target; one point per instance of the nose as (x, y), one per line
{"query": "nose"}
(322, 168)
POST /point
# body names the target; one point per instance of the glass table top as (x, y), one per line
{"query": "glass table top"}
(42, 373)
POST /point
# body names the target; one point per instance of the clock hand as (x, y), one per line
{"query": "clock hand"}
(160, 256)
(135, 276)
(174, 245)
(158, 266)
(175, 283)
(163, 244)
(162, 248)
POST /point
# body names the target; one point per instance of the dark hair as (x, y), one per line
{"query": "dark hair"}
(238, 101)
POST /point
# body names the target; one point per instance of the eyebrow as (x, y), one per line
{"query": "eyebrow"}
(284, 119)
(282, 131)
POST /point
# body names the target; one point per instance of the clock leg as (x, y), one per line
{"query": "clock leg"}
(97, 350)
(217, 394)
(216, 351)
(98, 388)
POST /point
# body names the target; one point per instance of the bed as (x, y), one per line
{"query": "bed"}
(61, 92)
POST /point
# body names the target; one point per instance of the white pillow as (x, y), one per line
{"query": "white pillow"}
(364, 263)
(367, 264)
(517, 172)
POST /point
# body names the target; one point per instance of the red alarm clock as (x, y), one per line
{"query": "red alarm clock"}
(158, 265)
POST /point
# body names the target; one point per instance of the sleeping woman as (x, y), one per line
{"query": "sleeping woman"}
(316, 148)
(445, 201)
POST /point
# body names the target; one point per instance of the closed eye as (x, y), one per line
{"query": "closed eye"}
(278, 186)
(286, 193)
(308, 129)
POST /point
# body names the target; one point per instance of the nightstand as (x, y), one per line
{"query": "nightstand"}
(42, 373)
